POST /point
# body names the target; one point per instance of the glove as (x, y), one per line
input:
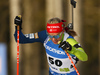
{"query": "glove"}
(65, 46)
(18, 21)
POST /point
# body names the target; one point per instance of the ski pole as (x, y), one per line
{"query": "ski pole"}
(73, 3)
(18, 47)
(72, 62)
(71, 25)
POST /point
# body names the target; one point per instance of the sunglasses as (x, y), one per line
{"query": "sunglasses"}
(56, 36)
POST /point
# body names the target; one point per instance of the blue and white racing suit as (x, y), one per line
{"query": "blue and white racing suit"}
(58, 61)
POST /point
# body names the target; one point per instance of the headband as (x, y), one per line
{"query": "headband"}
(55, 28)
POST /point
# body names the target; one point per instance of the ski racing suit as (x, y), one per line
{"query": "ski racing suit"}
(58, 61)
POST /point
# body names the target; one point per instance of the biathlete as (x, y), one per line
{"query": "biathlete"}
(58, 61)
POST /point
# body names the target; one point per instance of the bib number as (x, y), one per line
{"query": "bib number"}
(56, 62)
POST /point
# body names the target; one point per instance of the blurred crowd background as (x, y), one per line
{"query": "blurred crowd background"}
(35, 14)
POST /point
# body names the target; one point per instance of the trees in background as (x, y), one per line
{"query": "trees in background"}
(35, 15)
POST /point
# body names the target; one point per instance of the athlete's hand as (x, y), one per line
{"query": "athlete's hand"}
(18, 21)
(65, 45)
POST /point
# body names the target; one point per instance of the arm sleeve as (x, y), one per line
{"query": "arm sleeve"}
(77, 50)
(30, 38)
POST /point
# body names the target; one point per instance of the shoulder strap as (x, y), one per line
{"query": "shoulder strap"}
(66, 36)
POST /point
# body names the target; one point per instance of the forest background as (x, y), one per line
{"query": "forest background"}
(35, 14)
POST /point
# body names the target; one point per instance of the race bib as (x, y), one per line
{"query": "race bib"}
(60, 65)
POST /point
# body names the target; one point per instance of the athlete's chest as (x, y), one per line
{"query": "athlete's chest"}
(54, 50)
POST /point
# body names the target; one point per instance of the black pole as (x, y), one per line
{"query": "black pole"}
(72, 18)
(73, 3)
(71, 25)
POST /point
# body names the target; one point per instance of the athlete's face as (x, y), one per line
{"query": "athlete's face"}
(55, 37)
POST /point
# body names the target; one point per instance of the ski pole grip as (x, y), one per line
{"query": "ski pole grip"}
(18, 25)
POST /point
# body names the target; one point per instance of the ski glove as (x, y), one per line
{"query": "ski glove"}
(65, 46)
(18, 21)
